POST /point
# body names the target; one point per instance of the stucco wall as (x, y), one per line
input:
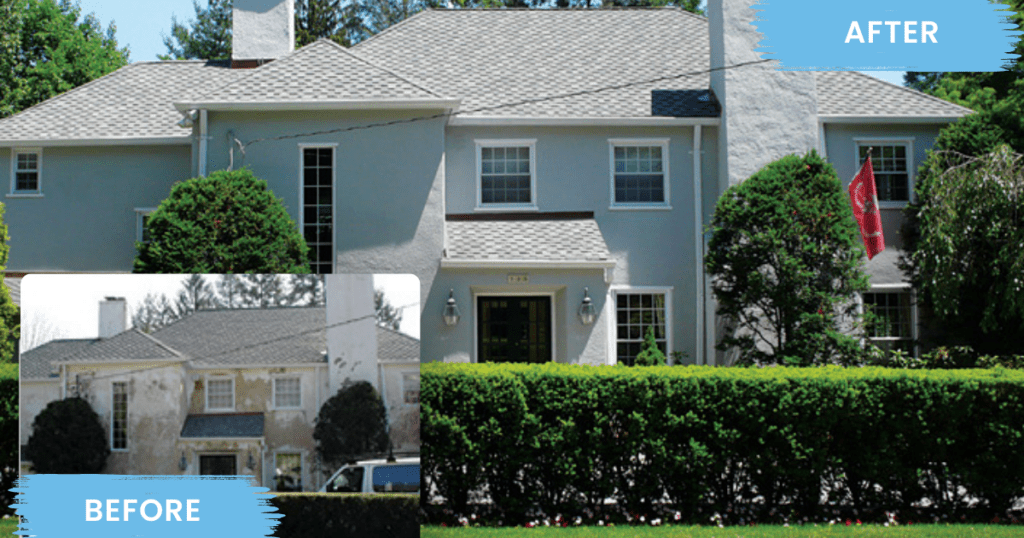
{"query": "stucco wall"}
(90, 195)
(404, 417)
(33, 398)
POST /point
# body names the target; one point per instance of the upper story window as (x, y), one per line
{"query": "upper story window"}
(220, 394)
(891, 162)
(506, 177)
(317, 197)
(26, 171)
(142, 223)
(119, 416)
(411, 387)
(287, 392)
(639, 173)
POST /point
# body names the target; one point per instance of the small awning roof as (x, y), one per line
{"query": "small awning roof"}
(533, 240)
(223, 425)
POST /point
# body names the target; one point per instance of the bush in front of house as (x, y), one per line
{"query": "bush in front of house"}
(347, 515)
(8, 435)
(772, 442)
(351, 424)
(785, 257)
(227, 222)
(63, 424)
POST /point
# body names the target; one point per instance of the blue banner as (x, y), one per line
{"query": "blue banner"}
(887, 35)
(111, 506)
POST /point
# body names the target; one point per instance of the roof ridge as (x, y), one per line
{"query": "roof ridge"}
(917, 93)
(71, 91)
(392, 73)
(393, 27)
(173, 351)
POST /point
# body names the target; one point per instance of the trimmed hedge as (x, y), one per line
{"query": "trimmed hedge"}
(8, 435)
(565, 439)
(309, 515)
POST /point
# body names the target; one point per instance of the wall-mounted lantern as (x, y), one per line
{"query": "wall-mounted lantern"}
(451, 310)
(183, 463)
(587, 310)
(252, 463)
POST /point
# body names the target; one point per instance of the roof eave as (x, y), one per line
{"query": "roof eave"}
(527, 264)
(338, 104)
(864, 118)
(183, 140)
(576, 121)
(120, 361)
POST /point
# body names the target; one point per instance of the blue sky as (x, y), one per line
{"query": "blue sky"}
(142, 26)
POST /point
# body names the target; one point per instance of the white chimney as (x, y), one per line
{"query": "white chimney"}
(113, 316)
(262, 30)
(351, 330)
(766, 113)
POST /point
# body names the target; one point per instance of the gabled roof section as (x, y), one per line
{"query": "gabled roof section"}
(558, 60)
(320, 74)
(855, 95)
(238, 337)
(38, 363)
(394, 346)
(130, 345)
(130, 105)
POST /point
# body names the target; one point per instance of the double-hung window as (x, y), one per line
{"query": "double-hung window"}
(142, 223)
(220, 394)
(318, 205)
(26, 172)
(287, 393)
(639, 170)
(891, 161)
(636, 312)
(119, 416)
(893, 324)
(506, 174)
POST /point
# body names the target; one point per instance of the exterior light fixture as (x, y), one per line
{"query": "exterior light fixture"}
(183, 464)
(451, 310)
(252, 464)
(587, 310)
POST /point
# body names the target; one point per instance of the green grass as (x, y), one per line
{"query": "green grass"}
(766, 531)
(8, 526)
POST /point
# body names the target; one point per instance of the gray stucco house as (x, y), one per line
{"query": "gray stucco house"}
(521, 163)
(219, 392)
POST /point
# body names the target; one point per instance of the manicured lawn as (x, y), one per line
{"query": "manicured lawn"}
(773, 531)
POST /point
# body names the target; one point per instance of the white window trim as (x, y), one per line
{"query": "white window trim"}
(524, 293)
(894, 288)
(530, 143)
(273, 396)
(404, 375)
(302, 465)
(206, 390)
(334, 196)
(127, 438)
(610, 315)
(889, 141)
(639, 206)
(141, 212)
(38, 192)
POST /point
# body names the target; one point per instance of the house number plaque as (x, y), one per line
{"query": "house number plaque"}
(518, 279)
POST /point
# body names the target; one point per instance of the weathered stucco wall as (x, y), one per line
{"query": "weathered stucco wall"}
(404, 417)
(33, 397)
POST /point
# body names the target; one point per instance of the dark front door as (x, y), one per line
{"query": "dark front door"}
(514, 329)
(217, 465)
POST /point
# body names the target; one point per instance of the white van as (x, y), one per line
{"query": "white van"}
(376, 476)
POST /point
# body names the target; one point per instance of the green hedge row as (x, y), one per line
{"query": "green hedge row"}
(309, 515)
(8, 435)
(565, 439)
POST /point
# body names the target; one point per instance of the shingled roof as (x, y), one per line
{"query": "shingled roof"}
(849, 93)
(39, 363)
(543, 241)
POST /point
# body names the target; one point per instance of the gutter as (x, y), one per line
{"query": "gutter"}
(337, 104)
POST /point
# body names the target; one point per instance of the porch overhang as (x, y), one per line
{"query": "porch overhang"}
(235, 426)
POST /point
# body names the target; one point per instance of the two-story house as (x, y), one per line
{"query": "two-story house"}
(224, 392)
(547, 174)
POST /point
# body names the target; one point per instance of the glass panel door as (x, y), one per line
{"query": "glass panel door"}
(514, 329)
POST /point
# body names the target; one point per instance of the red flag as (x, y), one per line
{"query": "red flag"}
(864, 199)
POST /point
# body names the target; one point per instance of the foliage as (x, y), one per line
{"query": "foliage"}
(262, 291)
(650, 354)
(956, 357)
(351, 424)
(323, 19)
(68, 423)
(208, 37)
(965, 255)
(307, 290)
(8, 435)
(786, 256)
(155, 312)
(227, 222)
(757, 443)
(10, 313)
(388, 315)
(196, 294)
(308, 514)
(47, 48)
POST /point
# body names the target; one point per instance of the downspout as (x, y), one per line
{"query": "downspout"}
(698, 243)
(821, 140)
(203, 142)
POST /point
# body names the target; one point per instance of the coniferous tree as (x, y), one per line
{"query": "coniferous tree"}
(307, 290)
(387, 314)
(63, 424)
(207, 37)
(262, 291)
(197, 294)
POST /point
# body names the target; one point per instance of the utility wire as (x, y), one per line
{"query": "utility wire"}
(243, 145)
